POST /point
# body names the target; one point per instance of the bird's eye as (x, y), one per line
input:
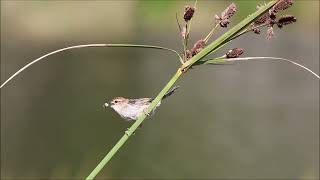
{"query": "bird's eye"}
(116, 101)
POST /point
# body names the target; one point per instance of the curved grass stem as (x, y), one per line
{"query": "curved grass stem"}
(275, 58)
(220, 60)
(86, 46)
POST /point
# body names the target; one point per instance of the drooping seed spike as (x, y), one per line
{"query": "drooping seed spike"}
(285, 20)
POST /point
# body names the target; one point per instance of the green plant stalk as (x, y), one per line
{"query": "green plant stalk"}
(211, 61)
(211, 33)
(211, 47)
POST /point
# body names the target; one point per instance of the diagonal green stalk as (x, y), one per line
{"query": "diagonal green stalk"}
(211, 47)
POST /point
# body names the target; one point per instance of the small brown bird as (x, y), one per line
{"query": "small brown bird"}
(131, 109)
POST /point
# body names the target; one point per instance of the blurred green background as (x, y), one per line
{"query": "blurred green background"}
(249, 120)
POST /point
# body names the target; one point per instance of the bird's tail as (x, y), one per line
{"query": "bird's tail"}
(169, 93)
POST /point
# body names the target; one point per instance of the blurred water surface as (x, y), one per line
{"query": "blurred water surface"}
(246, 120)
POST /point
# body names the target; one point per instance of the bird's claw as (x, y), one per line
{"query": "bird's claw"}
(127, 132)
(146, 113)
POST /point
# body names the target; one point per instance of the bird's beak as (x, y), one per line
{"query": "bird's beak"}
(105, 105)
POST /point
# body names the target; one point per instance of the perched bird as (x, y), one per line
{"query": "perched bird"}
(131, 109)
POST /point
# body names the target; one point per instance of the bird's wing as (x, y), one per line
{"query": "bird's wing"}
(142, 101)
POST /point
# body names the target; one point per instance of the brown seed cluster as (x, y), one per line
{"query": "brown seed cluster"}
(285, 20)
(234, 53)
(188, 13)
(265, 18)
(255, 29)
(280, 6)
(224, 19)
(198, 46)
(269, 18)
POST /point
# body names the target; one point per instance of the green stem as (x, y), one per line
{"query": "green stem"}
(184, 44)
(210, 33)
(211, 61)
(132, 129)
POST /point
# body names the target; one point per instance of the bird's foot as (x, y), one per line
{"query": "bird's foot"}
(146, 113)
(127, 132)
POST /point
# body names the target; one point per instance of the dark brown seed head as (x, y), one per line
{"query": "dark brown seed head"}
(234, 53)
(262, 19)
(255, 29)
(188, 13)
(187, 56)
(224, 23)
(272, 16)
(223, 20)
(281, 5)
(285, 20)
(265, 18)
(229, 11)
(198, 46)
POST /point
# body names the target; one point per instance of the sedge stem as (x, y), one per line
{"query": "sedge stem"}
(210, 33)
